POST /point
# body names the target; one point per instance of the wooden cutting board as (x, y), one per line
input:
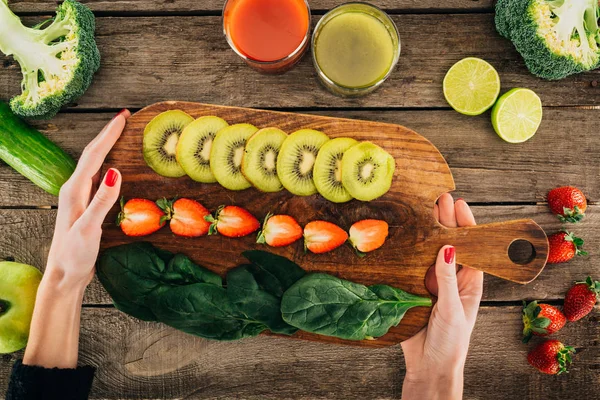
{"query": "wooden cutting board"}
(415, 237)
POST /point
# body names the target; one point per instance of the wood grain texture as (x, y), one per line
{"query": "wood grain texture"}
(140, 360)
(190, 6)
(421, 176)
(151, 59)
(25, 236)
(487, 169)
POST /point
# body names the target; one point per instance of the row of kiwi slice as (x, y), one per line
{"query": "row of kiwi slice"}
(239, 156)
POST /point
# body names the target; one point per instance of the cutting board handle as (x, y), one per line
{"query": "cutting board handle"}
(485, 247)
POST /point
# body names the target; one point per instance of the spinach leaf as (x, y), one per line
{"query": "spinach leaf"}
(324, 304)
(256, 288)
(131, 272)
(204, 310)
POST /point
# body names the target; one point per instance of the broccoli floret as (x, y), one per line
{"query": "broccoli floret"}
(556, 38)
(57, 57)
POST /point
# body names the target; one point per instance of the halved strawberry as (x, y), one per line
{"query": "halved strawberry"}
(232, 221)
(279, 231)
(140, 217)
(186, 217)
(368, 235)
(323, 236)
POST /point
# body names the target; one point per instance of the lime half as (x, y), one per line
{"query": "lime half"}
(471, 86)
(517, 115)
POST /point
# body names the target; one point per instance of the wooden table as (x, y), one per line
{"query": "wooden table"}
(174, 49)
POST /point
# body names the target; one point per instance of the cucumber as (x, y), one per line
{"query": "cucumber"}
(32, 154)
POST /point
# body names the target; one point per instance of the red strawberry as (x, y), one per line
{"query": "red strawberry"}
(551, 357)
(279, 231)
(232, 221)
(568, 203)
(368, 235)
(140, 217)
(563, 247)
(323, 236)
(186, 216)
(581, 298)
(541, 320)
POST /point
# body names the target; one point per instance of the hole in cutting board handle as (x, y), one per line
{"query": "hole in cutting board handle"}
(521, 252)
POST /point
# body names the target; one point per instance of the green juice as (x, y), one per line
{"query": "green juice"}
(355, 46)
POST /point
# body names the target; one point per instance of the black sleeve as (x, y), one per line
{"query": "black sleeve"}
(36, 383)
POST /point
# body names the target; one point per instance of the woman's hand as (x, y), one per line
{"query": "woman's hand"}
(435, 357)
(54, 334)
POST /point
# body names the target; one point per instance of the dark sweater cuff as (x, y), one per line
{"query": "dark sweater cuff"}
(33, 383)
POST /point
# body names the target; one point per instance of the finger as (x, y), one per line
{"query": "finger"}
(470, 283)
(94, 154)
(464, 215)
(447, 215)
(436, 212)
(106, 196)
(445, 271)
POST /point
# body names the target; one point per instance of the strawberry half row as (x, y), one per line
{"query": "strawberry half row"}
(189, 218)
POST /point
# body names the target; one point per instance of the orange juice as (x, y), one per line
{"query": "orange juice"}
(273, 33)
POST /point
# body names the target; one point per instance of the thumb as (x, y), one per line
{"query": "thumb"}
(104, 199)
(445, 271)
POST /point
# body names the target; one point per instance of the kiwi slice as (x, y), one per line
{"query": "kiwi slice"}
(259, 164)
(367, 171)
(195, 143)
(327, 172)
(227, 153)
(296, 160)
(160, 142)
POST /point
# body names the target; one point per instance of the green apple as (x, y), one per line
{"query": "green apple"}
(18, 288)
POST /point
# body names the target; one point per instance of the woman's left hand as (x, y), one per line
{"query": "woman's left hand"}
(54, 334)
(82, 209)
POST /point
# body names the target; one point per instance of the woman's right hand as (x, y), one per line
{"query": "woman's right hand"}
(435, 357)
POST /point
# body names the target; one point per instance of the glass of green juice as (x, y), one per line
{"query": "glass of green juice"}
(355, 47)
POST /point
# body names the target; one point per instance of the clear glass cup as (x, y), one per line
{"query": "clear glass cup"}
(356, 7)
(270, 67)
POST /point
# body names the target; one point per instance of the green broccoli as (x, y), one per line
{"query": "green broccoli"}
(57, 57)
(556, 38)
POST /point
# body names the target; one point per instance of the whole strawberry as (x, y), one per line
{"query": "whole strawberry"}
(568, 203)
(541, 320)
(581, 298)
(563, 247)
(551, 357)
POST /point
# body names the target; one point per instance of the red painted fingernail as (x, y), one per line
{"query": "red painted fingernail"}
(449, 255)
(111, 178)
(460, 198)
(120, 112)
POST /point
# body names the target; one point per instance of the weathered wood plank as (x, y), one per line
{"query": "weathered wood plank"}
(25, 236)
(485, 168)
(150, 59)
(140, 360)
(188, 6)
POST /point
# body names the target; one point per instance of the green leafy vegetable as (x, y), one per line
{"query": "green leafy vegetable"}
(132, 272)
(58, 57)
(556, 38)
(256, 289)
(271, 292)
(330, 306)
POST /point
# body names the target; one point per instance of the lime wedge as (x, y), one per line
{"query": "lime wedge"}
(471, 86)
(517, 115)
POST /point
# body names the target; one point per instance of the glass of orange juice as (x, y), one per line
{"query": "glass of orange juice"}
(270, 35)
